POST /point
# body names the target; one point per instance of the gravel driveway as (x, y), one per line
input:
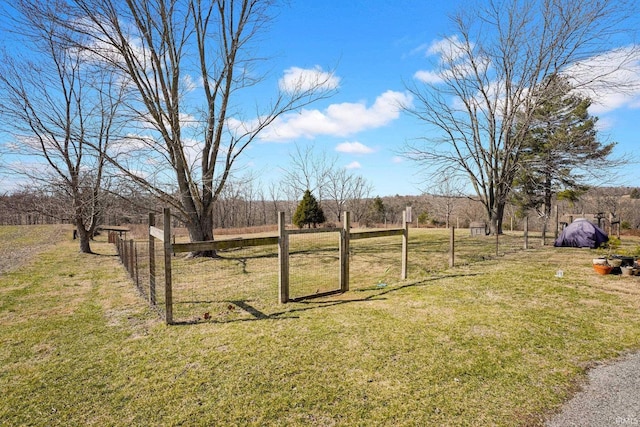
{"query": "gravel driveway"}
(611, 397)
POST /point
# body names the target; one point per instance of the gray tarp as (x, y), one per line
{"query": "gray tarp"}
(581, 234)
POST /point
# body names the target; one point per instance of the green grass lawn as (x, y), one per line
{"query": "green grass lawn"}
(250, 274)
(497, 342)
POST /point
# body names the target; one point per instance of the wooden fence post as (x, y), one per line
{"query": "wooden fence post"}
(497, 239)
(345, 236)
(526, 232)
(132, 271)
(452, 246)
(136, 266)
(152, 262)
(124, 256)
(283, 258)
(168, 292)
(405, 245)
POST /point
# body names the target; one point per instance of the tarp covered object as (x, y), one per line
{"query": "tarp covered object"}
(581, 234)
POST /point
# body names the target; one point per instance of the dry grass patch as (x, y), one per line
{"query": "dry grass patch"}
(22, 243)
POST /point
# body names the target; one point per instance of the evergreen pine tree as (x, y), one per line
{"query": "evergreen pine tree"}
(561, 145)
(379, 210)
(308, 212)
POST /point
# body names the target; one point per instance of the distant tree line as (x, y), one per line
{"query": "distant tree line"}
(238, 210)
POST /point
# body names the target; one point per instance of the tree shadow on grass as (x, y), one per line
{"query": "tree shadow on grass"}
(313, 303)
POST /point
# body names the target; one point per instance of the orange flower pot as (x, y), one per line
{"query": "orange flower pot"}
(602, 269)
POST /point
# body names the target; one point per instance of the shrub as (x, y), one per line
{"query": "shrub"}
(308, 212)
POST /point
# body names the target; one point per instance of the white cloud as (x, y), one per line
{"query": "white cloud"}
(611, 80)
(297, 79)
(422, 49)
(354, 165)
(353, 148)
(449, 49)
(428, 77)
(28, 167)
(338, 119)
(131, 143)
(604, 102)
(187, 120)
(397, 159)
(605, 123)
(453, 61)
(189, 84)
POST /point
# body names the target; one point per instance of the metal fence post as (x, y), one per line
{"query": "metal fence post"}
(283, 258)
(168, 292)
(405, 245)
(152, 261)
(344, 251)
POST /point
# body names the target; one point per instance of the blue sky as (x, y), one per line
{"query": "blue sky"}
(374, 48)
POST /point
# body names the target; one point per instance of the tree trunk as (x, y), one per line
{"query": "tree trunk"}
(200, 229)
(548, 195)
(83, 234)
(496, 214)
(84, 237)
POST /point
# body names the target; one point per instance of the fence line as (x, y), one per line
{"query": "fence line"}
(139, 260)
(128, 253)
(149, 264)
(282, 240)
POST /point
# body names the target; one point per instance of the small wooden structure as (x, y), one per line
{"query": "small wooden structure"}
(478, 228)
(122, 231)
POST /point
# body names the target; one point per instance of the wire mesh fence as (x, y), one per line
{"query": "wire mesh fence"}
(234, 285)
(314, 263)
(241, 282)
(375, 262)
(136, 258)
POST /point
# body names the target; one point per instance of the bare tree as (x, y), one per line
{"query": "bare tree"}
(308, 170)
(479, 101)
(235, 206)
(190, 63)
(630, 211)
(448, 191)
(318, 172)
(61, 110)
(275, 195)
(346, 190)
(606, 201)
(360, 200)
(265, 218)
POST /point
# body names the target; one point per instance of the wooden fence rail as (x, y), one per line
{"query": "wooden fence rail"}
(136, 255)
(282, 240)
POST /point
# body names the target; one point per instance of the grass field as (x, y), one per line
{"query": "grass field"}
(495, 342)
(250, 275)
